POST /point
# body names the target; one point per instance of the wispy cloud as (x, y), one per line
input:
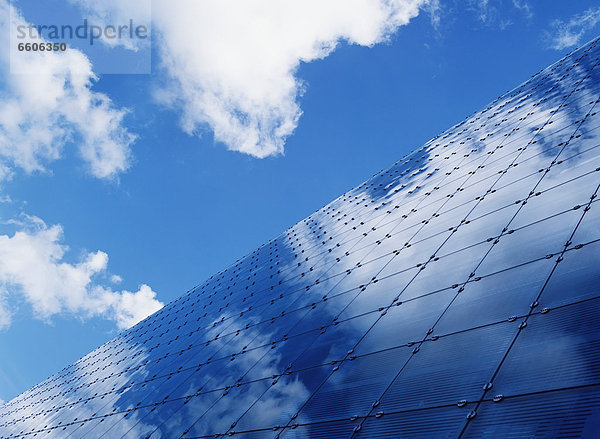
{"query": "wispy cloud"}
(486, 12)
(109, 12)
(434, 9)
(52, 105)
(568, 33)
(500, 13)
(33, 266)
(524, 7)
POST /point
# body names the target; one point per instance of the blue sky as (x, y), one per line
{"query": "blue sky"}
(175, 207)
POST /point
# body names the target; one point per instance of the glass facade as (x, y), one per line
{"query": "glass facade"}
(453, 295)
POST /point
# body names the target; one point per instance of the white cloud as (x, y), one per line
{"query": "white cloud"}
(524, 7)
(32, 265)
(484, 10)
(5, 317)
(230, 65)
(434, 9)
(49, 103)
(116, 12)
(498, 13)
(565, 34)
(130, 308)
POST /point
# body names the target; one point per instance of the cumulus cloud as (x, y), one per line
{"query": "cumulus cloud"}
(230, 65)
(46, 102)
(32, 265)
(566, 34)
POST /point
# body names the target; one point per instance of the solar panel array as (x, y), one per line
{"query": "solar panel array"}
(454, 295)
